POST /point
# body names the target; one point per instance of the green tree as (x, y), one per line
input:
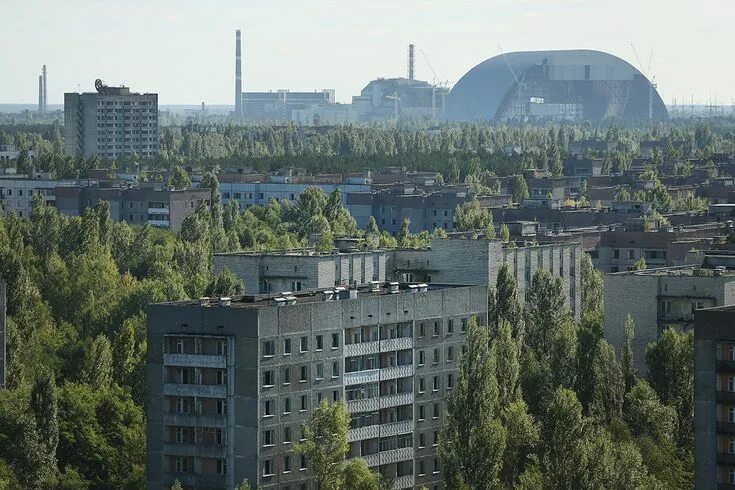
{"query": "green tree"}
(562, 438)
(325, 443)
(504, 233)
(640, 264)
(404, 235)
(123, 354)
(521, 442)
(472, 443)
(358, 476)
(507, 368)
(372, 226)
(97, 369)
(627, 363)
(179, 179)
(44, 408)
(592, 287)
(609, 384)
(226, 284)
(520, 189)
(177, 485)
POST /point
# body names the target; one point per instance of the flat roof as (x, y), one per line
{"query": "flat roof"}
(311, 296)
(681, 271)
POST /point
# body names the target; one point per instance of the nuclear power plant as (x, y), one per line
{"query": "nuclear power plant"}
(532, 86)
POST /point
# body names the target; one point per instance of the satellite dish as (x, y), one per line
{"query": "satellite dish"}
(100, 85)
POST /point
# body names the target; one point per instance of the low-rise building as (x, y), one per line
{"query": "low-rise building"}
(18, 190)
(10, 153)
(714, 398)
(231, 381)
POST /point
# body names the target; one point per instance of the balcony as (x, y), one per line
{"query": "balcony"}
(396, 400)
(197, 450)
(396, 372)
(195, 360)
(726, 396)
(726, 366)
(363, 433)
(204, 391)
(157, 210)
(402, 343)
(403, 482)
(186, 420)
(396, 428)
(388, 457)
(362, 349)
(726, 458)
(726, 427)
(362, 377)
(161, 223)
(676, 317)
(365, 405)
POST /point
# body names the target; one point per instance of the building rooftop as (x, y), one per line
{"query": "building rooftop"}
(287, 298)
(682, 271)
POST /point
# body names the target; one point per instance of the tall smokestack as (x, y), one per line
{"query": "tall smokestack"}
(238, 75)
(45, 94)
(411, 60)
(40, 95)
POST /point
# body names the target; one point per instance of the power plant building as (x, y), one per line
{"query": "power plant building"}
(110, 123)
(573, 85)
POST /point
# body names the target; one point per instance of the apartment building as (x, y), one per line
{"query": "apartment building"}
(111, 123)
(10, 153)
(231, 381)
(659, 298)
(17, 191)
(457, 261)
(300, 270)
(714, 398)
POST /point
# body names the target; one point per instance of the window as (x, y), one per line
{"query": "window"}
(731, 415)
(464, 324)
(436, 465)
(450, 381)
(221, 407)
(320, 371)
(304, 344)
(616, 253)
(731, 445)
(268, 439)
(286, 347)
(221, 377)
(731, 353)
(268, 408)
(422, 387)
(435, 415)
(222, 347)
(436, 329)
(287, 435)
(437, 356)
(304, 374)
(296, 285)
(287, 405)
(335, 341)
(422, 470)
(287, 464)
(179, 346)
(731, 384)
(422, 413)
(304, 403)
(269, 348)
(302, 463)
(335, 395)
(182, 405)
(268, 378)
(450, 353)
(182, 464)
(267, 467)
(319, 342)
(436, 383)
(335, 369)
(286, 376)
(436, 438)
(421, 358)
(422, 330)
(180, 437)
(422, 440)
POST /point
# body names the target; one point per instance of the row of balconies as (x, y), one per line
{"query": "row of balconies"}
(388, 457)
(376, 403)
(204, 391)
(375, 347)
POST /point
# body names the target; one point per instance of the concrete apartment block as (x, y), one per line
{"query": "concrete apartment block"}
(714, 398)
(230, 382)
(658, 298)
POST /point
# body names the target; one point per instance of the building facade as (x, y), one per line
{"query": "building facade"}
(18, 190)
(659, 298)
(714, 398)
(230, 382)
(275, 272)
(111, 123)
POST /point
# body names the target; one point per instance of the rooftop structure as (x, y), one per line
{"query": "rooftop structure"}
(573, 85)
(230, 381)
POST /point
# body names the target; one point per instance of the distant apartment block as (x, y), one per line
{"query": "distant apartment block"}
(659, 298)
(276, 272)
(111, 123)
(156, 206)
(10, 153)
(231, 381)
(18, 190)
(714, 398)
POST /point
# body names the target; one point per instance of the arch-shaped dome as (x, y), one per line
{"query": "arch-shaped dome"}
(570, 84)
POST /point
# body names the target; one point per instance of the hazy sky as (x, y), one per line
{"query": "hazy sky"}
(184, 49)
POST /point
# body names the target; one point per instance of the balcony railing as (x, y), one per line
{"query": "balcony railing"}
(403, 482)
(726, 427)
(396, 428)
(726, 366)
(396, 372)
(198, 450)
(205, 391)
(388, 457)
(195, 360)
(726, 396)
(374, 347)
(362, 377)
(396, 400)
(363, 433)
(191, 420)
(365, 405)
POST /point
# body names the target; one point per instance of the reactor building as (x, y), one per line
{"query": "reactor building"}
(572, 85)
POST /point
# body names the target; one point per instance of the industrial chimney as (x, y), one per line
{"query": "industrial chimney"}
(40, 95)
(45, 93)
(238, 76)
(410, 62)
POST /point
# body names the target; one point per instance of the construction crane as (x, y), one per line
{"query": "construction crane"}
(394, 97)
(647, 73)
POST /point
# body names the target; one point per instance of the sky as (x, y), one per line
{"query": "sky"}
(184, 49)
